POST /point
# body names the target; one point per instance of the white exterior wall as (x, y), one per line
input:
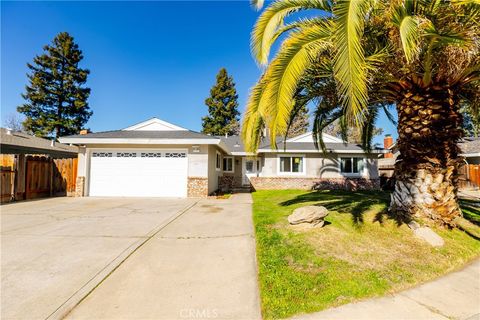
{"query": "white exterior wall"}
(213, 173)
(318, 166)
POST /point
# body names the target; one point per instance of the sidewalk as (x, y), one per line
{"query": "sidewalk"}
(454, 296)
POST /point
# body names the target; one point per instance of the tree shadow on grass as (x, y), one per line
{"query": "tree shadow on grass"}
(471, 210)
(355, 203)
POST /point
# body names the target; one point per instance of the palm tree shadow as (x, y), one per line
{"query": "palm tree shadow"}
(355, 203)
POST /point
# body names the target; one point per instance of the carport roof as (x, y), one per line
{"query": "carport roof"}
(14, 142)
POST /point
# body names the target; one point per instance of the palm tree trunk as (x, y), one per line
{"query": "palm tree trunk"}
(429, 128)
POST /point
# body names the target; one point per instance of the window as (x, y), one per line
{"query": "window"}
(228, 164)
(102, 154)
(218, 162)
(175, 155)
(126, 154)
(151, 155)
(291, 164)
(249, 166)
(351, 165)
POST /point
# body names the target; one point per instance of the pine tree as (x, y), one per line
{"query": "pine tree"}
(223, 116)
(56, 97)
(300, 123)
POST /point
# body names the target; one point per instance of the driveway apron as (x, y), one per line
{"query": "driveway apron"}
(202, 265)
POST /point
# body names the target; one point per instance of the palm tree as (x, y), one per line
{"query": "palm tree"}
(421, 56)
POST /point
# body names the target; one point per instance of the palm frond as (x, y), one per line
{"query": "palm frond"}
(265, 31)
(389, 115)
(349, 63)
(285, 71)
(253, 121)
(410, 35)
(324, 115)
(368, 128)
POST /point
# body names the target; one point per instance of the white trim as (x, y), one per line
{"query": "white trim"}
(233, 164)
(290, 155)
(137, 141)
(218, 155)
(142, 124)
(319, 151)
(474, 154)
(310, 133)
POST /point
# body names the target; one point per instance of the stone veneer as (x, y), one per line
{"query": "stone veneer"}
(279, 183)
(80, 187)
(197, 187)
(228, 182)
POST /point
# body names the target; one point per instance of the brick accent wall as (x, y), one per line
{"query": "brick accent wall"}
(80, 187)
(279, 183)
(197, 187)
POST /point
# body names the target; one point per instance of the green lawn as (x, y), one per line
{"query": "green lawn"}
(360, 253)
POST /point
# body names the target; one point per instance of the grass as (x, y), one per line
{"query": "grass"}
(359, 253)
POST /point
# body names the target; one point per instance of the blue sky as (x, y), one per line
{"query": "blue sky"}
(146, 58)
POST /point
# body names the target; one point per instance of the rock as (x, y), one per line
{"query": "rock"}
(309, 215)
(430, 236)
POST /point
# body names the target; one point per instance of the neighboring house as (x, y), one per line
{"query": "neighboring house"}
(470, 151)
(158, 159)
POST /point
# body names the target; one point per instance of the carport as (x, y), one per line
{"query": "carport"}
(33, 167)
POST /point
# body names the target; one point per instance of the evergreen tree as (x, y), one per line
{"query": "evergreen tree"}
(223, 116)
(299, 123)
(56, 97)
(354, 134)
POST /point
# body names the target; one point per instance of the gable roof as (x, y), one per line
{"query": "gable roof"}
(155, 124)
(308, 137)
(302, 143)
(152, 131)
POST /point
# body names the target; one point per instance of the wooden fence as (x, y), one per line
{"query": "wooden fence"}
(30, 177)
(469, 176)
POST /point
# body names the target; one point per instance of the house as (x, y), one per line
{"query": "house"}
(155, 158)
(33, 167)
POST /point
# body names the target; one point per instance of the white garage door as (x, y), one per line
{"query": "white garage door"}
(133, 173)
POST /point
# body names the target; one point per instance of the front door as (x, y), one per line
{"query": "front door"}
(249, 169)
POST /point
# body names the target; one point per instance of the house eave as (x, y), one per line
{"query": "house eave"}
(87, 141)
(319, 151)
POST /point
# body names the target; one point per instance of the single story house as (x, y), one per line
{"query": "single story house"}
(155, 158)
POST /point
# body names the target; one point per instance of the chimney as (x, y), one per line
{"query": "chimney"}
(83, 131)
(387, 143)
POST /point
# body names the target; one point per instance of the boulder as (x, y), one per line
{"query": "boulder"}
(312, 215)
(429, 236)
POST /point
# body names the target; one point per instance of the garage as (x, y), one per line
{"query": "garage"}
(138, 173)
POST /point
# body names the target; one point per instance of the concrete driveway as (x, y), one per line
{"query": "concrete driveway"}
(200, 266)
(55, 251)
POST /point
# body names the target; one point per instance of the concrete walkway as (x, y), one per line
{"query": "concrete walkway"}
(454, 296)
(202, 265)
